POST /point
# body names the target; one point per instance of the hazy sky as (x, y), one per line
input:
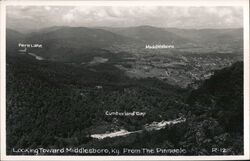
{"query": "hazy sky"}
(36, 17)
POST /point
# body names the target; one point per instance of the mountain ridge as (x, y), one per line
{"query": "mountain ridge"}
(65, 42)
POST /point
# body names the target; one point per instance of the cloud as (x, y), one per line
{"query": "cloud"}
(122, 16)
(69, 17)
(47, 8)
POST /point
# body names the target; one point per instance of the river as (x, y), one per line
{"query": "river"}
(36, 56)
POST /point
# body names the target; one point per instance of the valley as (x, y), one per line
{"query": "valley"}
(57, 95)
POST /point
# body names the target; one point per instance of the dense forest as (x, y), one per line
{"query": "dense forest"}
(53, 104)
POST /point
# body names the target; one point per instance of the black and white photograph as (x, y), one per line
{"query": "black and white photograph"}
(121, 80)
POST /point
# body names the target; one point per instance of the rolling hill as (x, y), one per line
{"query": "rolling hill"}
(61, 43)
(232, 38)
(149, 34)
(229, 37)
(66, 43)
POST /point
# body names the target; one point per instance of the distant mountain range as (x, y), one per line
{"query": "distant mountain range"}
(65, 41)
(149, 34)
(232, 37)
(62, 41)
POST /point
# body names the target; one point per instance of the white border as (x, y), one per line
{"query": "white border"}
(243, 3)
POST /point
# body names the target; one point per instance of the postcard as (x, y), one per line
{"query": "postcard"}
(125, 80)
